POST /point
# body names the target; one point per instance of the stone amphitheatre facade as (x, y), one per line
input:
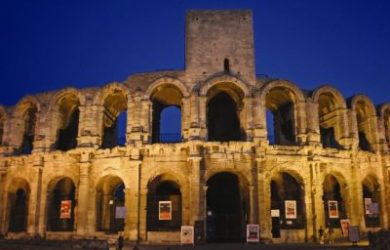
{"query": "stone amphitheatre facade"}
(224, 171)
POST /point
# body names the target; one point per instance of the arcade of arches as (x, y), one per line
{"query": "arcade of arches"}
(94, 162)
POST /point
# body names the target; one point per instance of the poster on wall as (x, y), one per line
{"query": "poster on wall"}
(187, 235)
(165, 210)
(333, 209)
(367, 205)
(374, 208)
(275, 213)
(252, 233)
(120, 212)
(65, 209)
(290, 209)
(344, 223)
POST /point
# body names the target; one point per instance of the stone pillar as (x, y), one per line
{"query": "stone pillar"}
(132, 201)
(197, 194)
(345, 129)
(356, 193)
(146, 119)
(185, 118)
(84, 198)
(310, 225)
(203, 117)
(313, 126)
(143, 213)
(2, 198)
(34, 205)
(317, 208)
(300, 122)
(259, 119)
(252, 205)
(264, 201)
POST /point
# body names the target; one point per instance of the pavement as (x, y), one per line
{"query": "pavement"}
(225, 246)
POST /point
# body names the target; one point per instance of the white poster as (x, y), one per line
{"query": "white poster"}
(290, 209)
(367, 204)
(165, 210)
(344, 223)
(187, 235)
(275, 213)
(333, 209)
(120, 212)
(252, 233)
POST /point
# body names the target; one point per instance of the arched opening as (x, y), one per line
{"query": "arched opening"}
(68, 123)
(166, 117)
(29, 120)
(280, 103)
(386, 120)
(164, 211)
(227, 208)
(224, 106)
(329, 120)
(371, 200)
(60, 205)
(18, 197)
(364, 127)
(287, 200)
(114, 120)
(110, 205)
(334, 204)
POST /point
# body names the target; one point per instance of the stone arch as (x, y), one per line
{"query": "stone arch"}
(335, 198)
(384, 112)
(237, 88)
(228, 204)
(331, 115)
(26, 116)
(65, 113)
(160, 82)
(60, 204)
(166, 94)
(367, 131)
(371, 191)
(112, 101)
(287, 194)
(110, 197)
(225, 108)
(18, 190)
(166, 200)
(285, 103)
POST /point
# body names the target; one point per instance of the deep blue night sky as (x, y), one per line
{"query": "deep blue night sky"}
(48, 45)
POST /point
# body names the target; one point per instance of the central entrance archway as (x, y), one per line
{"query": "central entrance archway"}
(226, 208)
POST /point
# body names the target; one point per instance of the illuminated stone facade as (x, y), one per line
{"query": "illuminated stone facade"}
(225, 170)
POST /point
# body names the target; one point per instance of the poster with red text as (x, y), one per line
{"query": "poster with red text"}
(290, 209)
(165, 210)
(333, 209)
(65, 209)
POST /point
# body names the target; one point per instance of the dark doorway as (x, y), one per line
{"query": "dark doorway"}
(18, 211)
(169, 192)
(110, 205)
(334, 205)
(371, 204)
(223, 122)
(59, 217)
(67, 137)
(226, 209)
(328, 138)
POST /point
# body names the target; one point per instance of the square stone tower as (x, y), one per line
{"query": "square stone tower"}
(220, 41)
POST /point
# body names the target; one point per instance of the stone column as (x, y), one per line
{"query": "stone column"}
(203, 117)
(197, 195)
(310, 224)
(34, 204)
(83, 199)
(317, 208)
(252, 205)
(132, 201)
(313, 126)
(264, 201)
(356, 193)
(2, 199)
(259, 119)
(300, 122)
